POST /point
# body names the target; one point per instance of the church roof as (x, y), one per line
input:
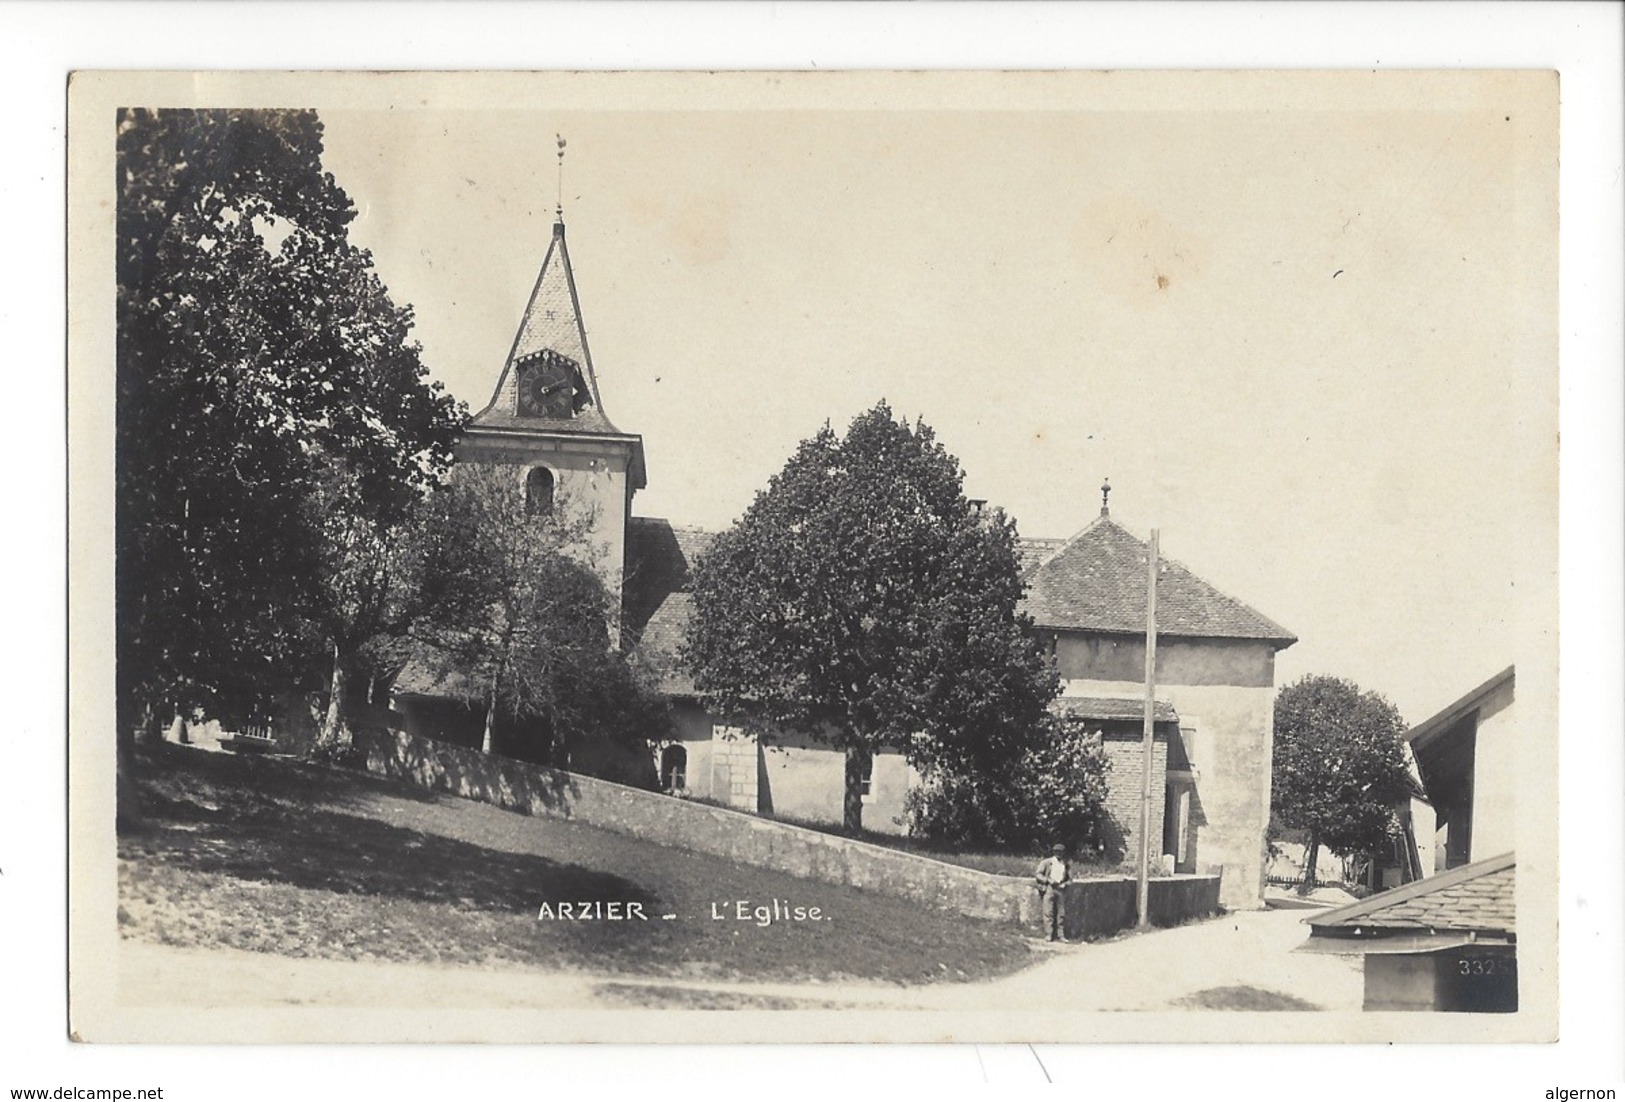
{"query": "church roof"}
(552, 323)
(1096, 581)
(1035, 551)
(655, 600)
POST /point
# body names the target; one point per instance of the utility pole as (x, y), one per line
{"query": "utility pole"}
(1148, 743)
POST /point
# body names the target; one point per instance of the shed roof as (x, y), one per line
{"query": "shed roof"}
(1114, 707)
(1479, 897)
(1436, 725)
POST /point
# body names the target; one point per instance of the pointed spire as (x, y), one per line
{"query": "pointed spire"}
(1105, 494)
(551, 330)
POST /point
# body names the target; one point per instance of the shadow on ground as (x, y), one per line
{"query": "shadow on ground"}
(339, 852)
(666, 997)
(1242, 997)
(277, 857)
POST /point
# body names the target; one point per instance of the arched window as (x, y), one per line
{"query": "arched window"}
(539, 490)
(674, 769)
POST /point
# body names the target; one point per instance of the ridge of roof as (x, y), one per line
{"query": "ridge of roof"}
(1062, 544)
(1416, 889)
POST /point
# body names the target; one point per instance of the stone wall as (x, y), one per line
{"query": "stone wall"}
(1123, 784)
(1094, 907)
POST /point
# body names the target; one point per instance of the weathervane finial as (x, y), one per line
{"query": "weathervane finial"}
(1105, 493)
(559, 209)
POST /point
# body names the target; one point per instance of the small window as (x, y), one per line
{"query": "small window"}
(539, 491)
(674, 769)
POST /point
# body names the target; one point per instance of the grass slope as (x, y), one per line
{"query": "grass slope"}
(279, 857)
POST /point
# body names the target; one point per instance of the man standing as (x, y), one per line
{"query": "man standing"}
(1053, 875)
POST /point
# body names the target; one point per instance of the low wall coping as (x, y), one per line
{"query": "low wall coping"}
(998, 885)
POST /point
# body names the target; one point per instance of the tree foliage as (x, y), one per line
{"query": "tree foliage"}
(517, 621)
(863, 602)
(1339, 766)
(263, 374)
(1052, 791)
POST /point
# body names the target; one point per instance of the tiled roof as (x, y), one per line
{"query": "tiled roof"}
(1478, 897)
(661, 637)
(1035, 551)
(552, 321)
(589, 420)
(657, 607)
(1096, 582)
(1113, 707)
(660, 557)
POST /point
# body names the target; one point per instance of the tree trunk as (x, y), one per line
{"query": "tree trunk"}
(852, 804)
(150, 732)
(127, 813)
(488, 741)
(333, 722)
(490, 719)
(1311, 861)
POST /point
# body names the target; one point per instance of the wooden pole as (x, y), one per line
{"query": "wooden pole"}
(1148, 743)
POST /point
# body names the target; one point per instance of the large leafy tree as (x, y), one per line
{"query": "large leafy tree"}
(516, 620)
(1052, 790)
(1339, 766)
(266, 386)
(862, 601)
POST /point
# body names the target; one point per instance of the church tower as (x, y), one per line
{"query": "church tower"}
(547, 422)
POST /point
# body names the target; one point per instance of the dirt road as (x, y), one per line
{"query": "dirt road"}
(1242, 961)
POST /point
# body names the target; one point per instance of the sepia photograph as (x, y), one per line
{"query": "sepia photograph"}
(891, 556)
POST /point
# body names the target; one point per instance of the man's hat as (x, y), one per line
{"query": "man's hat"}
(1057, 848)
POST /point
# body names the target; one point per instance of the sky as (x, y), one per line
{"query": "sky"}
(1307, 328)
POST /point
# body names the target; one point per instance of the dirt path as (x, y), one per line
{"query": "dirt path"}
(1243, 961)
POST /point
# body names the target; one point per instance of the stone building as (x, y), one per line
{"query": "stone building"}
(1215, 676)
(1087, 594)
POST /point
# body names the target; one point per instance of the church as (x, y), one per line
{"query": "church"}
(1086, 595)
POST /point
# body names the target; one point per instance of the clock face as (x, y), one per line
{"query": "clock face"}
(548, 388)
